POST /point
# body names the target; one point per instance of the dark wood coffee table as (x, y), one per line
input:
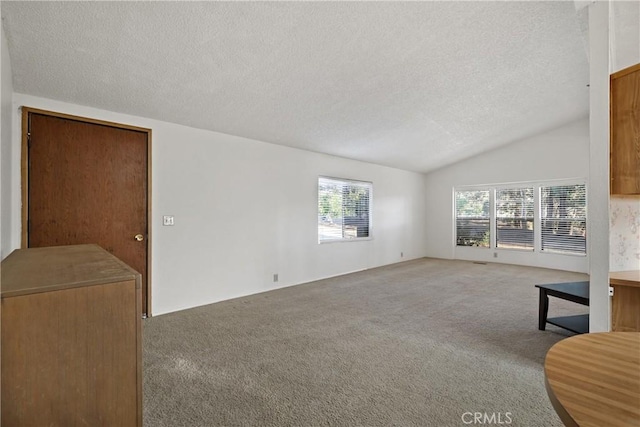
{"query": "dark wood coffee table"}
(577, 292)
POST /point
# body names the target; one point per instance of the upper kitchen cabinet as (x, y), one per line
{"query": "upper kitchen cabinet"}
(625, 131)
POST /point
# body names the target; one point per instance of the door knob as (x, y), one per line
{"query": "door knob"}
(139, 237)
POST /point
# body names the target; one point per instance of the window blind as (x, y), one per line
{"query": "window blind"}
(514, 218)
(343, 209)
(564, 218)
(473, 218)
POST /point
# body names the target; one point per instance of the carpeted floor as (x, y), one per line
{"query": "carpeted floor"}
(418, 343)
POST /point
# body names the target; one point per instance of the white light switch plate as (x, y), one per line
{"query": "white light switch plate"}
(167, 220)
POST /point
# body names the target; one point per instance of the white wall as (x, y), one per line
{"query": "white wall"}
(562, 153)
(598, 209)
(5, 149)
(624, 34)
(245, 210)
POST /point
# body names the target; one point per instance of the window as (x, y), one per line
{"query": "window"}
(473, 218)
(564, 218)
(514, 218)
(344, 209)
(533, 216)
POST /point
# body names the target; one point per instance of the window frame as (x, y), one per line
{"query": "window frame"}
(550, 250)
(488, 217)
(495, 216)
(345, 181)
(537, 223)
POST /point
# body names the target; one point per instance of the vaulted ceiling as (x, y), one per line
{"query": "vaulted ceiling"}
(413, 85)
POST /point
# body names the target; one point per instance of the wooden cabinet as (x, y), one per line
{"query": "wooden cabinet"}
(625, 131)
(625, 304)
(71, 338)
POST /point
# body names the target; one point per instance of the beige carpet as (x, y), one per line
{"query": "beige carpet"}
(413, 344)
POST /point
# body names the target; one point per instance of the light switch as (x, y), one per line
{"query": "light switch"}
(167, 220)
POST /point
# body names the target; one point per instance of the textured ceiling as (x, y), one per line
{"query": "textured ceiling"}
(414, 85)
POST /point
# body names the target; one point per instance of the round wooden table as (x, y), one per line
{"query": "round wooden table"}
(594, 379)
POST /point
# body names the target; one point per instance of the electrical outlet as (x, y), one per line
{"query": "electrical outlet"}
(610, 291)
(275, 277)
(168, 220)
(495, 254)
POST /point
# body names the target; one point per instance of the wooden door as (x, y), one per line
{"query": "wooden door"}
(88, 183)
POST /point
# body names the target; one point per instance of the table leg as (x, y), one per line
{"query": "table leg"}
(543, 309)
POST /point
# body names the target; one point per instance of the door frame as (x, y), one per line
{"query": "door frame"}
(24, 171)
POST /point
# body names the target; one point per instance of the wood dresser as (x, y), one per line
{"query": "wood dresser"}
(71, 338)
